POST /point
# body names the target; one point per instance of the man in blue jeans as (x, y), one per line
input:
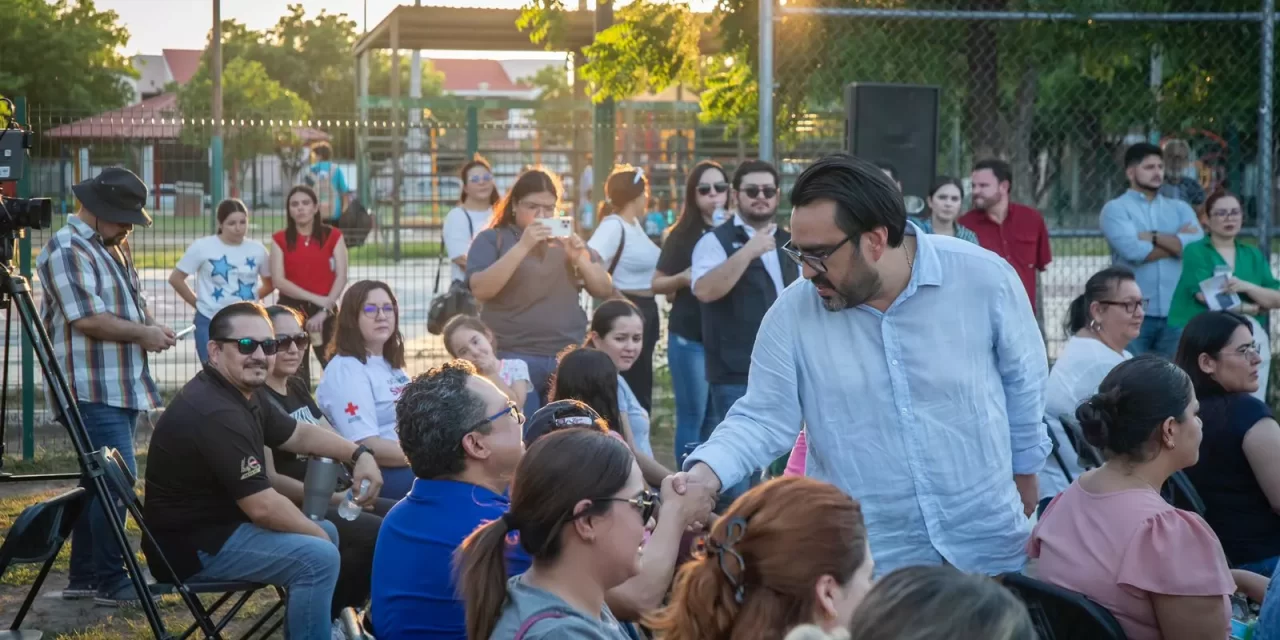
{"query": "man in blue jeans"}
(102, 330)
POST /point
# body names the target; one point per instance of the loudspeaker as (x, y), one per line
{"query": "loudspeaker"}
(897, 124)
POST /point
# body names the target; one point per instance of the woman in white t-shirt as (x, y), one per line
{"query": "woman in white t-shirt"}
(469, 338)
(1101, 322)
(227, 267)
(472, 215)
(631, 256)
(364, 378)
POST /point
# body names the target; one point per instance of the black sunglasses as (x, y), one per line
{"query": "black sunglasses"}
(705, 189)
(300, 340)
(248, 345)
(754, 191)
(645, 503)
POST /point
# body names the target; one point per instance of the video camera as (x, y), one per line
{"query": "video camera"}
(17, 214)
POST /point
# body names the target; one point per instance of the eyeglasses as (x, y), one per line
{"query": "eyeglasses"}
(706, 189)
(511, 410)
(815, 260)
(645, 503)
(755, 191)
(299, 340)
(480, 178)
(248, 345)
(540, 210)
(1247, 350)
(371, 310)
(1130, 306)
(1226, 213)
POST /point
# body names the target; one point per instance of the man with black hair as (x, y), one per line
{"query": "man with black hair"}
(1147, 231)
(329, 182)
(916, 367)
(891, 171)
(1016, 232)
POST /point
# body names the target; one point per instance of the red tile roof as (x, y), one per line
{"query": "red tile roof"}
(470, 75)
(182, 63)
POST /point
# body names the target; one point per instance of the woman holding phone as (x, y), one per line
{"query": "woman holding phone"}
(527, 280)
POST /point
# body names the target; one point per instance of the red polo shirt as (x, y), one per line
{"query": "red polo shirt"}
(1022, 239)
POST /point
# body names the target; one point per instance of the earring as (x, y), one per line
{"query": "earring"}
(1094, 325)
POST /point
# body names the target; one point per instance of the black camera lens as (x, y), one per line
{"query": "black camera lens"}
(29, 213)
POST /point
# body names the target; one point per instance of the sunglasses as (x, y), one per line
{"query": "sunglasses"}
(646, 503)
(719, 187)
(755, 191)
(480, 178)
(299, 340)
(247, 346)
(371, 310)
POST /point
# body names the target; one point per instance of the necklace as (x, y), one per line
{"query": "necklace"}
(909, 262)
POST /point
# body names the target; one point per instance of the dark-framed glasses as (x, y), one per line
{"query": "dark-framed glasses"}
(705, 189)
(299, 340)
(371, 310)
(814, 260)
(247, 346)
(755, 191)
(511, 409)
(1130, 306)
(646, 503)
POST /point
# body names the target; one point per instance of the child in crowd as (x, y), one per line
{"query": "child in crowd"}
(468, 337)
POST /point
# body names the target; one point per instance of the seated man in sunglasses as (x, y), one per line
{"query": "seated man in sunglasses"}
(737, 274)
(209, 502)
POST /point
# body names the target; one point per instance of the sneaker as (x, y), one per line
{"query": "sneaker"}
(121, 595)
(79, 590)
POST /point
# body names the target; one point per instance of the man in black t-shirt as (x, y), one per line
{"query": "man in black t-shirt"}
(209, 502)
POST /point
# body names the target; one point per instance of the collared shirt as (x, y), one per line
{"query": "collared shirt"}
(82, 277)
(414, 593)
(1022, 239)
(1131, 214)
(924, 429)
(709, 254)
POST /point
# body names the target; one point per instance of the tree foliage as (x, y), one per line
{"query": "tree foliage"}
(248, 94)
(64, 53)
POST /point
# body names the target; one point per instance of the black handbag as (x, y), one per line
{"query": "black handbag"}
(456, 301)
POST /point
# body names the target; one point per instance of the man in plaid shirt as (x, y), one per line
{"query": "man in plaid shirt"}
(101, 330)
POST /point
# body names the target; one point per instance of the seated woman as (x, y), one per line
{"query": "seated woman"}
(617, 328)
(1112, 537)
(580, 507)
(469, 338)
(356, 538)
(788, 552)
(365, 377)
(1237, 475)
(589, 376)
(918, 603)
(565, 414)
(1101, 322)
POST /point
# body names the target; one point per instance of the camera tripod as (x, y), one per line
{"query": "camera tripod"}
(15, 294)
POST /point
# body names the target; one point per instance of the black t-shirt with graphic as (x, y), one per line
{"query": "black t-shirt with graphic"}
(206, 453)
(301, 407)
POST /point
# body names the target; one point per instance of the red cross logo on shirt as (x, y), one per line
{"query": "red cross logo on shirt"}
(352, 409)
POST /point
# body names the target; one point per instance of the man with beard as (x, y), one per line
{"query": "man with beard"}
(916, 367)
(210, 505)
(1147, 232)
(1015, 232)
(101, 329)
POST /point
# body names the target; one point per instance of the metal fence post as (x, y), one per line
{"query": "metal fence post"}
(1266, 190)
(765, 87)
(473, 131)
(28, 356)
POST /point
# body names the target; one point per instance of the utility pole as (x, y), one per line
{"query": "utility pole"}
(215, 72)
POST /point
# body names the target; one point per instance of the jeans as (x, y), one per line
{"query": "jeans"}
(95, 557)
(1156, 337)
(541, 368)
(640, 376)
(396, 482)
(1262, 567)
(688, 362)
(202, 336)
(722, 398)
(1269, 618)
(306, 566)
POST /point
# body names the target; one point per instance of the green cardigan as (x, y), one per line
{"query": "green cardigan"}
(1198, 260)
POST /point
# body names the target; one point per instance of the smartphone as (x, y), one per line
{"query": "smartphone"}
(561, 226)
(182, 335)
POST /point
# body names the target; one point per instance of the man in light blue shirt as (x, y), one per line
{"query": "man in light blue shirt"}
(916, 365)
(1147, 232)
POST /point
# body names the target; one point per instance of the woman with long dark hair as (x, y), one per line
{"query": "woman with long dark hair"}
(227, 266)
(705, 194)
(528, 282)
(473, 213)
(309, 268)
(631, 256)
(364, 378)
(944, 206)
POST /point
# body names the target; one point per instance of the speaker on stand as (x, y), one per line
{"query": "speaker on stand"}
(896, 124)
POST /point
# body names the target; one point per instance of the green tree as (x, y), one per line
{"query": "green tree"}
(554, 113)
(64, 54)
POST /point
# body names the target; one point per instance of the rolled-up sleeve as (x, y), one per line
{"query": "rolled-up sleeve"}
(707, 255)
(764, 423)
(1023, 366)
(1122, 234)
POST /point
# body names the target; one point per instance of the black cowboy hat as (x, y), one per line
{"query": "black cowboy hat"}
(115, 195)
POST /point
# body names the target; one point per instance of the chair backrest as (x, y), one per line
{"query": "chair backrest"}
(39, 531)
(1088, 454)
(117, 473)
(1062, 614)
(1179, 492)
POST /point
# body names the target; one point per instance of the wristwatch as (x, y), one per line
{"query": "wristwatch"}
(360, 450)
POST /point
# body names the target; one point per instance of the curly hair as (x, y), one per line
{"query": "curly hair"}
(433, 414)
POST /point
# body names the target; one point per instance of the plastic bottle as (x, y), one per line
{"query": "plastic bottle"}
(718, 217)
(348, 510)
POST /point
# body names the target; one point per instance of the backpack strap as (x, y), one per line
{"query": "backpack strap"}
(622, 244)
(535, 619)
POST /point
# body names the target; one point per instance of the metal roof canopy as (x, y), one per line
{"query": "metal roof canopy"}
(472, 29)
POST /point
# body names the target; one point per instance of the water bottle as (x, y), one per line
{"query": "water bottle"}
(348, 510)
(718, 217)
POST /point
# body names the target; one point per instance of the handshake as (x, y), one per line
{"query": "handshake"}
(691, 495)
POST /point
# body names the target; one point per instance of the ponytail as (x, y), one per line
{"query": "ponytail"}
(1077, 315)
(703, 604)
(481, 567)
(605, 208)
(1096, 289)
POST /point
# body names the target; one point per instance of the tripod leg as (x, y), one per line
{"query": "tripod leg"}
(64, 400)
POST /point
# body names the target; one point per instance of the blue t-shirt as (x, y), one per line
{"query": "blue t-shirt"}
(414, 594)
(636, 415)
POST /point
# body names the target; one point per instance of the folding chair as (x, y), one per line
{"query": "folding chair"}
(122, 482)
(36, 537)
(1179, 492)
(1062, 614)
(1090, 457)
(355, 624)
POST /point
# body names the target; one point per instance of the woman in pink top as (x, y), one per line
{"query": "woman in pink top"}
(1110, 536)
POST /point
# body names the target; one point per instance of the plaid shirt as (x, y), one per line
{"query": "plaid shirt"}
(81, 277)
